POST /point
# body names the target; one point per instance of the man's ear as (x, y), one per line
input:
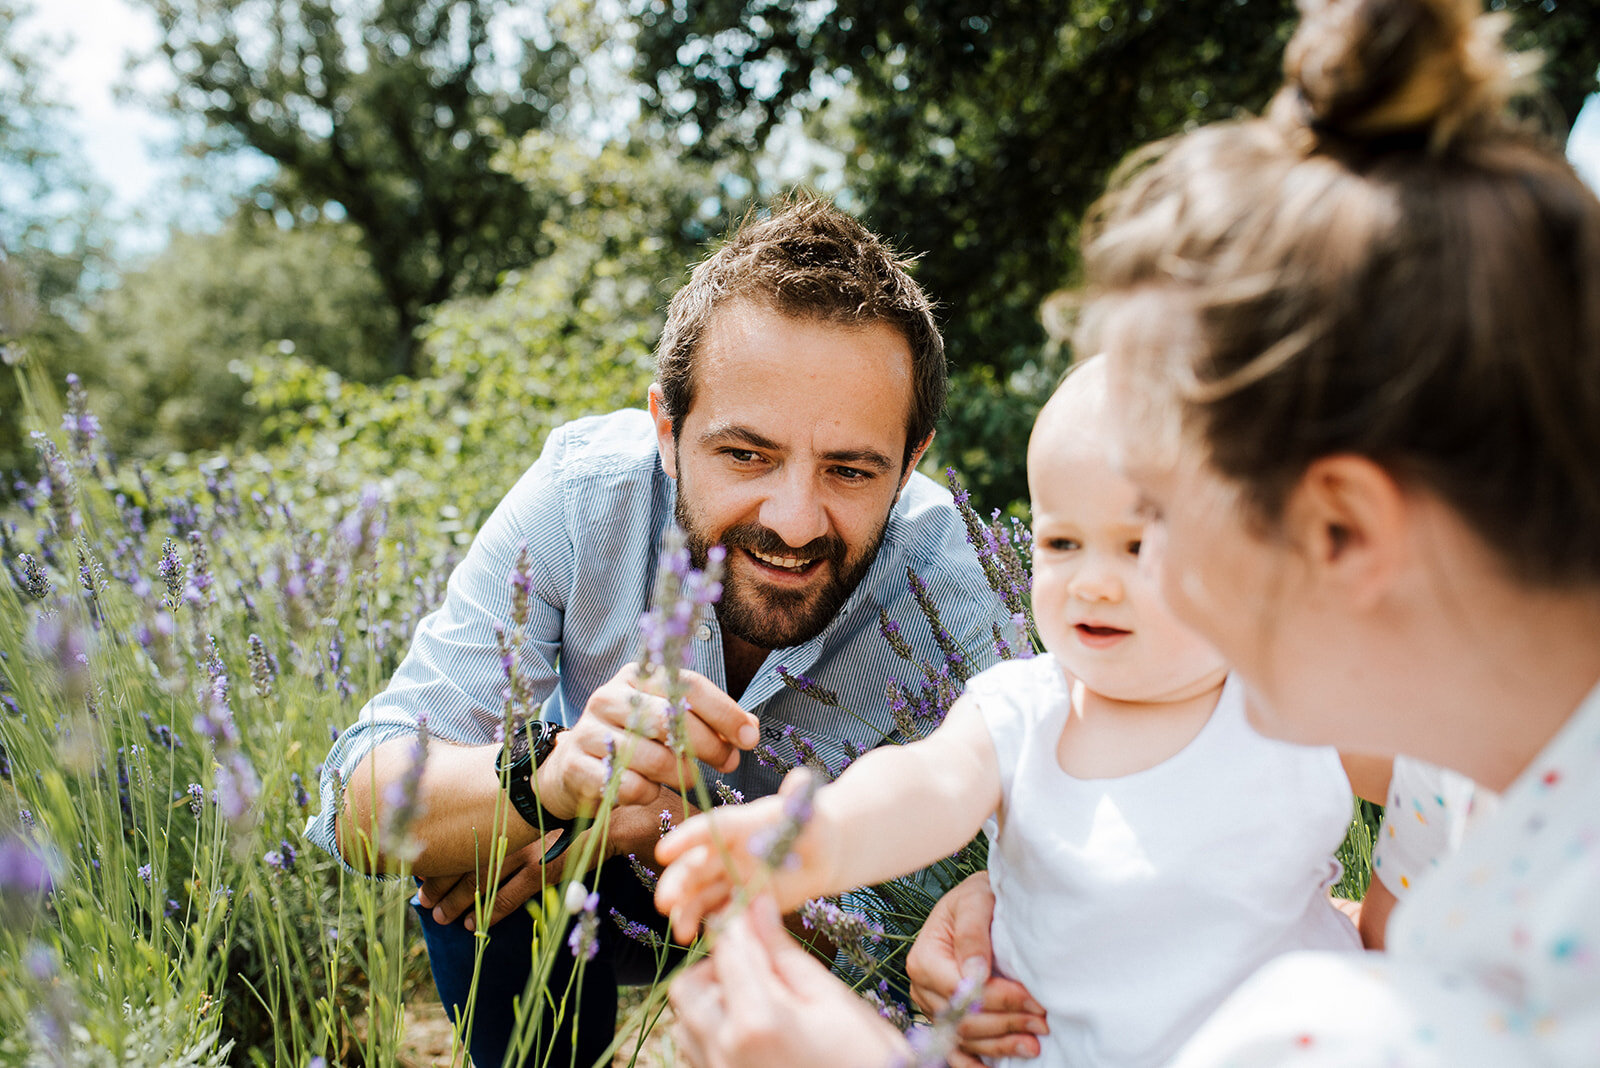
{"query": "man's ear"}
(666, 444)
(911, 464)
(1349, 517)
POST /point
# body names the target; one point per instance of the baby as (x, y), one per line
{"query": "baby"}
(1148, 850)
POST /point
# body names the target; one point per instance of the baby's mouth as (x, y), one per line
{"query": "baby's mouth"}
(1100, 631)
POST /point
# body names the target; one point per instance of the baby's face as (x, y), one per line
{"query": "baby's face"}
(1096, 604)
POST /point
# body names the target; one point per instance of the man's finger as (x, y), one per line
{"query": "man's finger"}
(457, 901)
(711, 706)
(515, 892)
(433, 889)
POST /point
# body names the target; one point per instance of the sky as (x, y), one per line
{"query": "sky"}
(126, 143)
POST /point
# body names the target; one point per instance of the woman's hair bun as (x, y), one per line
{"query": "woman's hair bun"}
(1365, 70)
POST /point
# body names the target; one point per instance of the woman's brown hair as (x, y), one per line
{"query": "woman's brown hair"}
(1384, 264)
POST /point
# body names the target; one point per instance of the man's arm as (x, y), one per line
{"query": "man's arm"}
(892, 811)
(463, 807)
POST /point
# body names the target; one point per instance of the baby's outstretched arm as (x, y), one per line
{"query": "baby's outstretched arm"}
(894, 810)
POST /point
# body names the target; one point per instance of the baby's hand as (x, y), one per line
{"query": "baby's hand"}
(707, 857)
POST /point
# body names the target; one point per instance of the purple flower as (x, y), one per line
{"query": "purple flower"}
(32, 579)
(809, 687)
(79, 423)
(237, 787)
(774, 846)
(263, 668)
(144, 874)
(197, 798)
(642, 873)
(932, 1045)
(301, 798)
(283, 858)
(521, 580)
(403, 797)
(681, 597)
(850, 931)
(24, 871)
(727, 795)
(584, 941)
(891, 634)
(637, 931)
(1019, 621)
(170, 568)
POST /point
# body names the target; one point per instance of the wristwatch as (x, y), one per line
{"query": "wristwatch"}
(520, 756)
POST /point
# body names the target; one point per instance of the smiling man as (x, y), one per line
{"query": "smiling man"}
(800, 374)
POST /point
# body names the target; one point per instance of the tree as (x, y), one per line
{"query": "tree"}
(387, 114)
(978, 133)
(175, 328)
(54, 244)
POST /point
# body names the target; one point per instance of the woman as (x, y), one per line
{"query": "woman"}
(1356, 344)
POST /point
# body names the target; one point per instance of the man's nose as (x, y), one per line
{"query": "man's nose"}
(793, 509)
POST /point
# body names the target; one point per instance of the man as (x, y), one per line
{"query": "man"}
(800, 374)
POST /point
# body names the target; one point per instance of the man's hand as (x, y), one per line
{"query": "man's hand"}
(624, 725)
(954, 944)
(632, 829)
(521, 877)
(761, 1001)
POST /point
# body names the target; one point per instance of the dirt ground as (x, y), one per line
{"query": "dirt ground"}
(428, 1039)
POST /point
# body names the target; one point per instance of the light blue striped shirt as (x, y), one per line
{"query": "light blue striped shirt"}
(591, 511)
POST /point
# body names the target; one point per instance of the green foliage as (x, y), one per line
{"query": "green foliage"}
(53, 237)
(173, 330)
(979, 134)
(389, 115)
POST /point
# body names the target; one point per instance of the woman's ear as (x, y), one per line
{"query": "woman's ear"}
(1349, 518)
(666, 443)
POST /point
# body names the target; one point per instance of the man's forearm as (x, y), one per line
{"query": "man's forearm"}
(461, 809)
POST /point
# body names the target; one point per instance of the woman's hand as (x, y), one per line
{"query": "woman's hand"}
(955, 944)
(761, 1001)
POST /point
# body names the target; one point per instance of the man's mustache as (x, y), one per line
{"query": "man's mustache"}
(756, 538)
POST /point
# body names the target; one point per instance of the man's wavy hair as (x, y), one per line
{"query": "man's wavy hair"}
(807, 260)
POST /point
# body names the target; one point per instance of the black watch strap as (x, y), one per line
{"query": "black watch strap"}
(520, 756)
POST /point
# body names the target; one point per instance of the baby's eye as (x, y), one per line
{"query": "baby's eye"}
(1133, 548)
(1061, 545)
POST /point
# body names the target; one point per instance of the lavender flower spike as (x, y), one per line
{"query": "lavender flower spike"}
(584, 941)
(774, 846)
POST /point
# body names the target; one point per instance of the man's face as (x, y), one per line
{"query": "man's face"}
(791, 457)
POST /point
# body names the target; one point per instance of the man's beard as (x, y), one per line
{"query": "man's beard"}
(770, 618)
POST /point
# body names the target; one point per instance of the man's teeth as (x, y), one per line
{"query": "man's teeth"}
(789, 563)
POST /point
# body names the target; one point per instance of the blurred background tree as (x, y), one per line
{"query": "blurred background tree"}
(386, 115)
(419, 158)
(54, 239)
(978, 133)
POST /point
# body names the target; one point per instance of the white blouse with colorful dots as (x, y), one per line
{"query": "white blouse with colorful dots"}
(1494, 959)
(1426, 819)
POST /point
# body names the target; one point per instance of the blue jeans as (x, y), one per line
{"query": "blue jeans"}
(579, 1038)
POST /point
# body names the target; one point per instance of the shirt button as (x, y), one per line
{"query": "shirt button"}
(703, 632)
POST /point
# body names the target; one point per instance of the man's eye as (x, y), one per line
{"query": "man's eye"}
(743, 456)
(851, 474)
